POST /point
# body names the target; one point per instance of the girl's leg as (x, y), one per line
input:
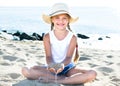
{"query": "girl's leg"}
(36, 72)
(78, 76)
(39, 72)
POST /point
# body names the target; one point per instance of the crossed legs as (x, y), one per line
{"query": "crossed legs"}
(74, 76)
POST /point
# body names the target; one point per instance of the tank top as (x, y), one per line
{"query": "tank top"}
(59, 48)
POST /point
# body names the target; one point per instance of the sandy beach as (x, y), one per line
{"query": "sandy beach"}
(16, 54)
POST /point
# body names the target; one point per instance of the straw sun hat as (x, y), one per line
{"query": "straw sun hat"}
(58, 8)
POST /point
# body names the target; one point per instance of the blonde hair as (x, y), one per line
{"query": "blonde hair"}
(76, 57)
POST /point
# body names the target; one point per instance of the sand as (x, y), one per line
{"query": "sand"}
(16, 54)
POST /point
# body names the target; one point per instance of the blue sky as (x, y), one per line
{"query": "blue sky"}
(82, 3)
(108, 3)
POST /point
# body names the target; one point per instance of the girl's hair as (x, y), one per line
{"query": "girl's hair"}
(52, 25)
(76, 58)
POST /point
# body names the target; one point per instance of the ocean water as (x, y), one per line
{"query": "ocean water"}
(93, 21)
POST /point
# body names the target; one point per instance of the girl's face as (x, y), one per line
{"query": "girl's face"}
(60, 21)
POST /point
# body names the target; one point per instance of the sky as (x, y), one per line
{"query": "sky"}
(109, 3)
(83, 3)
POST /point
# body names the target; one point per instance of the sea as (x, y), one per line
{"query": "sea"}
(94, 22)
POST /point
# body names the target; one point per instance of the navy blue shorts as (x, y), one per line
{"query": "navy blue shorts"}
(67, 68)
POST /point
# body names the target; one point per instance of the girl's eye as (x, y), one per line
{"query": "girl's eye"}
(65, 18)
(56, 17)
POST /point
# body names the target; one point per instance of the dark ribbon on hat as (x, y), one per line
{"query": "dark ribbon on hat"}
(57, 12)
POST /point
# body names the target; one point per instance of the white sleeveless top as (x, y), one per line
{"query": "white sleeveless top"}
(59, 48)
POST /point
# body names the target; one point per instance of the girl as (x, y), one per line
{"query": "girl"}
(60, 47)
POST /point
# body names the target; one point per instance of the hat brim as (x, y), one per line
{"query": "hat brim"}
(47, 19)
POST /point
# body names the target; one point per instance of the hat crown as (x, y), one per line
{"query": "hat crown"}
(59, 8)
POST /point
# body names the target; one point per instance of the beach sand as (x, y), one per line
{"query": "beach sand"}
(16, 54)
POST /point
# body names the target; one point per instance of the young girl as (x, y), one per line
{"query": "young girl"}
(60, 47)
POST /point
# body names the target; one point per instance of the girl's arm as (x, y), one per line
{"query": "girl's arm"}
(46, 41)
(70, 51)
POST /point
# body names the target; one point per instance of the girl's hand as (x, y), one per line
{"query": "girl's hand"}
(56, 67)
(52, 70)
(60, 69)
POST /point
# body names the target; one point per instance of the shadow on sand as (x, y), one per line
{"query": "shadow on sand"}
(27, 82)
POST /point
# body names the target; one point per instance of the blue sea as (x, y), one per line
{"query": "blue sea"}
(93, 21)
